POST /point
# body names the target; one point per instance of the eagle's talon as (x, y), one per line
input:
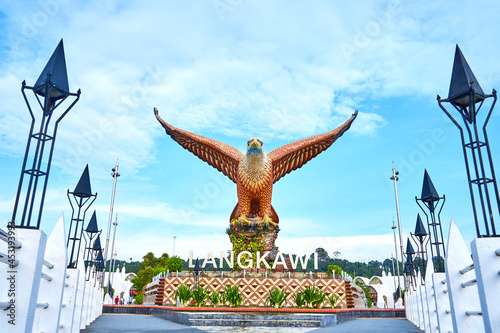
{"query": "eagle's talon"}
(242, 220)
(267, 222)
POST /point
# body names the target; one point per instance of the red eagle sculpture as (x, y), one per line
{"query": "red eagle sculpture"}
(255, 172)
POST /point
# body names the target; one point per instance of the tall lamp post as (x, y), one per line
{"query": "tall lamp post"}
(111, 264)
(173, 251)
(115, 176)
(397, 261)
(52, 86)
(395, 178)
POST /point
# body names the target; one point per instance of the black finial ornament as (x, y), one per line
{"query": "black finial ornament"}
(461, 80)
(429, 193)
(54, 76)
(419, 237)
(433, 203)
(467, 97)
(92, 226)
(420, 229)
(82, 198)
(83, 189)
(50, 91)
(409, 249)
(196, 271)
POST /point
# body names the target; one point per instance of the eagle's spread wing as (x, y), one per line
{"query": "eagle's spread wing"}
(219, 155)
(294, 155)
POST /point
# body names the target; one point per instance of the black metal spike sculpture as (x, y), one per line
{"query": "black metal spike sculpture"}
(50, 90)
(196, 271)
(409, 270)
(420, 238)
(82, 196)
(464, 95)
(93, 244)
(431, 200)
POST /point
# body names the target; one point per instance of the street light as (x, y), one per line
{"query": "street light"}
(395, 178)
(115, 176)
(112, 263)
(397, 261)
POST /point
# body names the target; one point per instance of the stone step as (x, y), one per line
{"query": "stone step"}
(255, 322)
(245, 316)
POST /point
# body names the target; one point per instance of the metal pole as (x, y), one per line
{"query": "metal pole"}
(112, 264)
(113, 261)
(115, 176)
(396, 250)
(394, 275)
(173, 251)
(395, 179)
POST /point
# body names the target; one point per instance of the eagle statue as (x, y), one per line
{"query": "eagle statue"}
(255, 172)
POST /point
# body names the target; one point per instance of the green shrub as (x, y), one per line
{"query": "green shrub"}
(314, 297)
(233, 296)
(184, 293)
(277, 297)
(299, 299)
(215, 298)
(200, 295)
(320, 298)
(139, 299)
(333, 300)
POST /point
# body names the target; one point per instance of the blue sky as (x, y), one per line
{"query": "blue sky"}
(232, 70)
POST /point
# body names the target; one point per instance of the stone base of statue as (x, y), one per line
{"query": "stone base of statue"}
(258, 234)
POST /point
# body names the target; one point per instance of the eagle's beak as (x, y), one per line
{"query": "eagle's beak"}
(255, 143)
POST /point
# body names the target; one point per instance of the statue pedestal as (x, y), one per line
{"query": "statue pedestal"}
(267, 237)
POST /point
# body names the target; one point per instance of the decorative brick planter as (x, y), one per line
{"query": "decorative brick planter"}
(255, 290)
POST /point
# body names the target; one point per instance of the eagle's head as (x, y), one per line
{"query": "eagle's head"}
(255, 146)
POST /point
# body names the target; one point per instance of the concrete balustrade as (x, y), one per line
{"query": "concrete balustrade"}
(465, 297)
(42, 295)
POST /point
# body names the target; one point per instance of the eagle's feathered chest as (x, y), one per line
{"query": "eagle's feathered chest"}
(255, 172)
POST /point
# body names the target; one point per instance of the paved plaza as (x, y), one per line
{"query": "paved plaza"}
(108, 323)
